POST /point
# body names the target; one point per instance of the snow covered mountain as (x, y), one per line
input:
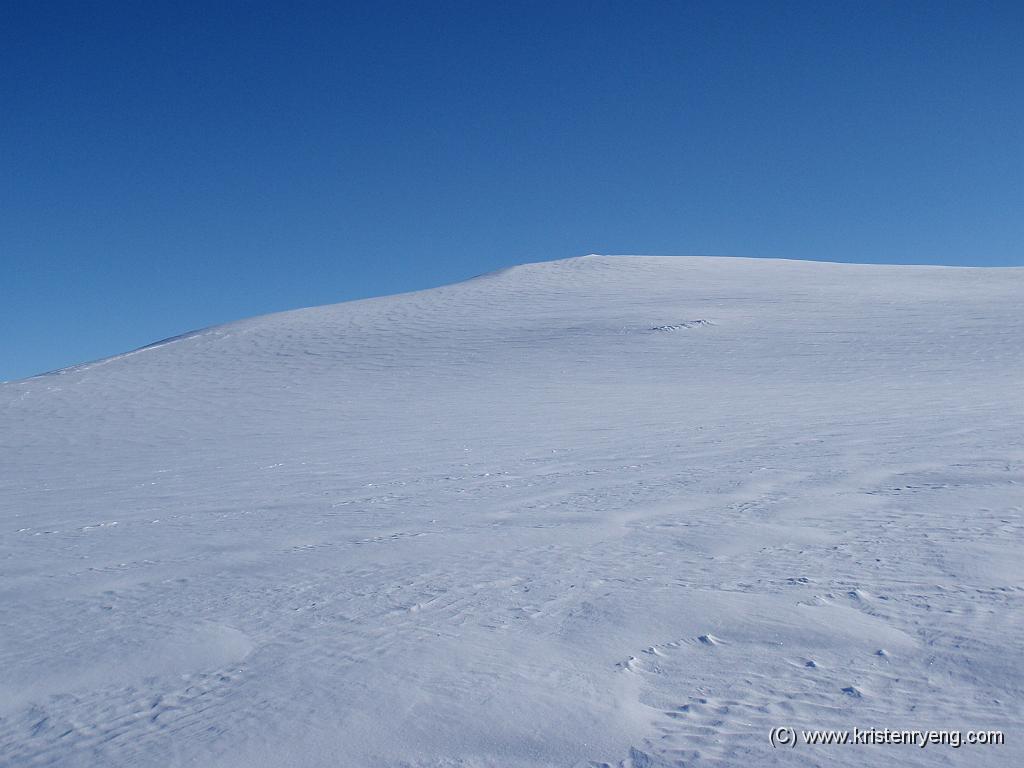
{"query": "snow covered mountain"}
(607, 511)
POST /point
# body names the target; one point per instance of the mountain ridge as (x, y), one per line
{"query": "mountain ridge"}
(545, 266)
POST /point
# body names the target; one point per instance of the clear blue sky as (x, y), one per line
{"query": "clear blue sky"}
(168, 166)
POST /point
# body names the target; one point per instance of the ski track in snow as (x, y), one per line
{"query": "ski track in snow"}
(504, 523)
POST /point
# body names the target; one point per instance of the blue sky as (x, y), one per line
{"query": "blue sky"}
(168, 166)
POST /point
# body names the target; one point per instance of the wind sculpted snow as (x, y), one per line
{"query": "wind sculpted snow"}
(511, 522)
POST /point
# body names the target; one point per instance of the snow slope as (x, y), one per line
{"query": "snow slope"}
(602, 511)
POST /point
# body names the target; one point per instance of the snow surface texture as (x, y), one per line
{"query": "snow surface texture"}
(608, 511)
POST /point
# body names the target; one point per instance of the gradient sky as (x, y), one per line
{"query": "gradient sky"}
(168, 166)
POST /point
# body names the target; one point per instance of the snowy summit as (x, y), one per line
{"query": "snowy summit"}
(607, 511)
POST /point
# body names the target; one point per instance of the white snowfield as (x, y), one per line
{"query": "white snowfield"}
(607, 511)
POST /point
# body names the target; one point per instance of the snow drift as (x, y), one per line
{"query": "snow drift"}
(596, 512)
